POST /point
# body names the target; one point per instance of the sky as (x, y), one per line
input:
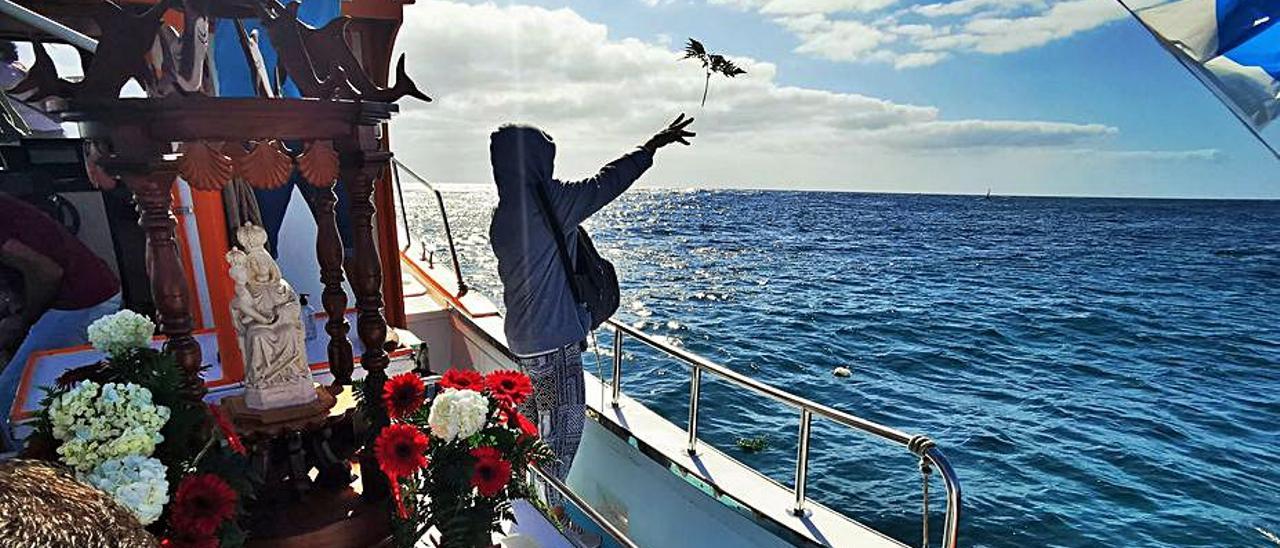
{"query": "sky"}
(1044, 97)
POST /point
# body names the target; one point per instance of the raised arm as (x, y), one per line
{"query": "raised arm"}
(576, 201)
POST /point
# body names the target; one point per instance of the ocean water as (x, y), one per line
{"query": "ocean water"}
(1099, 372)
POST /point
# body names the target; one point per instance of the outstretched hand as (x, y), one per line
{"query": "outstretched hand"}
(675, 133)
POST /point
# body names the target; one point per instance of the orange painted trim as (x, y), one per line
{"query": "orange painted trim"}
(188, 265)
(24, 384)
(425, 279)
(20, 401)
(211, 223)
(388, 241)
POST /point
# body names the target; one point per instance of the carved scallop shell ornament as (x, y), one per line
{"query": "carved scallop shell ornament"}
(204, 166)
(319, 164)
(268, 165)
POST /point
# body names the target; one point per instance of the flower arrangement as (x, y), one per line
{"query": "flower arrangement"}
(124, 330)
(96, 423)
(134, 426)
(457, 463)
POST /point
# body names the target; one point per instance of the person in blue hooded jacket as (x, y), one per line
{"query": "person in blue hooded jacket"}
(545, 326)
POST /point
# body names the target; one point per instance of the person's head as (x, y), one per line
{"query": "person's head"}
(8, 52)
(521, 154)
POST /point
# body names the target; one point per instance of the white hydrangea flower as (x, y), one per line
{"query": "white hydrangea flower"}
(137, 483)
(458, 414)
(97, 423)
(121, 331)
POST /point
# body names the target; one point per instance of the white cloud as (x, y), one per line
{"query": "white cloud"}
(993, 133)
(792, 7)
(600, 95)
(836, 40)
(966, 7)
(926, 34)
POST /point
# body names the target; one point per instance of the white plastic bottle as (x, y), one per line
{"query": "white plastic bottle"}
(308, 317)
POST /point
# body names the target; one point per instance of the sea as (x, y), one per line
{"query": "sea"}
(1100, 372)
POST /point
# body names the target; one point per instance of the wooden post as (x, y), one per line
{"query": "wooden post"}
(164, 262)
(329, 252)
(360, 166)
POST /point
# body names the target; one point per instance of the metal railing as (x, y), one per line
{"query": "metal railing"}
(594, 515)
(921, 446)
(396, 167)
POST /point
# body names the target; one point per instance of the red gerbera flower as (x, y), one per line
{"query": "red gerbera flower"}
(491, 472)
(511, 386)
(462, 380)
(201, 504)
(401, 449)
(403, 394)
(228, 431)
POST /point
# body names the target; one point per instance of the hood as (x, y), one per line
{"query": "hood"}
(522, 156)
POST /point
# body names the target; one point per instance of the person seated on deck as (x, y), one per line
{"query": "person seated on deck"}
(545, 326)
(65, 287)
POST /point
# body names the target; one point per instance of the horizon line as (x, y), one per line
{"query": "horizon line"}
(443, 186)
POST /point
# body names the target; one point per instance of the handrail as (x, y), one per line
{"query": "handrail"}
(41, 22)
(595, 515)
(397, 165)
(921, 446)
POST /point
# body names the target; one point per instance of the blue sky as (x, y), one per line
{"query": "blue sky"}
(1060, 97)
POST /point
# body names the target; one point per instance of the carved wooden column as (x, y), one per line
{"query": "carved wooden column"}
(152, 190)
(329, 251)
(360, 168)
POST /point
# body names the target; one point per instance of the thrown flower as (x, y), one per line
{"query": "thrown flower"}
(403, 394)
(511, 387)
(202, 504)
(491, 472)
(462, 380)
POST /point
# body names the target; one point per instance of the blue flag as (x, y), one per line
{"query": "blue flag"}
(1232, 46)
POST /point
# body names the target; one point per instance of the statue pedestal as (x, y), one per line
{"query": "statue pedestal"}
(302, 456)
(293, 394)
(273, 421)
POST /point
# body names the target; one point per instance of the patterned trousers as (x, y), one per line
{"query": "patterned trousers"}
(558, 406)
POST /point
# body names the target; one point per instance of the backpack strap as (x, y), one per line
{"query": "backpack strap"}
(562, 248)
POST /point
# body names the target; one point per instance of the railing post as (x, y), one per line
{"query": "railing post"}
(617, 365)
(802, 462)
(695, 385)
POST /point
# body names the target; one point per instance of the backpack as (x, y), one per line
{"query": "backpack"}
(595, 282)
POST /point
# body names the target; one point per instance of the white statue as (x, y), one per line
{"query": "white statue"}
(267, 318)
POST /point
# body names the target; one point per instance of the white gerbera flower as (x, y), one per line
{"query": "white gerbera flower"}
(458, 414)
